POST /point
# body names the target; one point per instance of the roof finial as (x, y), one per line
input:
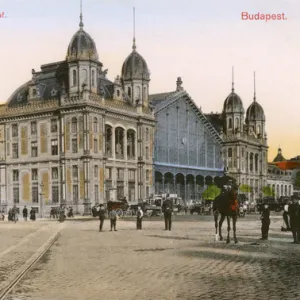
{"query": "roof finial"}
(81, 23)
(254, 97)
(133, 45)
(232, 84)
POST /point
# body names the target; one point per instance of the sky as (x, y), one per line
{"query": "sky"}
(196, 40)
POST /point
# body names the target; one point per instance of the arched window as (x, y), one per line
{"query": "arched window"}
(108, 140)
(74, 125)
(256, 162)
(230, 123)
(147, 174)
(251, 162)
(93, 77)
(147, 134)
(74, 77)
(118, 93)
(130, 144)
(119, 142)
(258, 129)
(237, 123)
(129, 91)
(95, 125)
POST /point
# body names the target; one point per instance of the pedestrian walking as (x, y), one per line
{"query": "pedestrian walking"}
(295, 220)
(113, 219)
(167, 209)
(15, 214)
(265, 222)
(286, 216)
(32, 214)
(25, 213)
(139, 218)
(101, 216)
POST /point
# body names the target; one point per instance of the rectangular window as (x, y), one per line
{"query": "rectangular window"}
(54, 147)
(34, 149)
(16, 194)
(54, 125)
(15, 175)
(74, 146)
(96, 171)
(96, 190)
(75, 172)
(120, 174)
(34, 174)
(15, 150)
(14, 129)
(33, 127)
(75, 193)
(54, 173)
(120, 190)
(95, 145)
(131, 175)
(147, 153)
(35, 194)
(108, 173)
(55, 194)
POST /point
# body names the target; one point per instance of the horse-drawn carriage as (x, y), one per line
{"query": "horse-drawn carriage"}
(119, 206)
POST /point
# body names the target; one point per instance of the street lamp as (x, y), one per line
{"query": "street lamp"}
(4, 205)
(41, 200)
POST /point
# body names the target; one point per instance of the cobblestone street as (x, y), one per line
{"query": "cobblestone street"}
(185, 263)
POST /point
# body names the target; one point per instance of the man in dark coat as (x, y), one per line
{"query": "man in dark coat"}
(101, 216)
(139, 218)
(25, 213)
(167, 209)
(294, 220)
(265, 221)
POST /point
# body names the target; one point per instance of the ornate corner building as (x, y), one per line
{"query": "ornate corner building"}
(71, 136)
(245, 149)
(187, 146)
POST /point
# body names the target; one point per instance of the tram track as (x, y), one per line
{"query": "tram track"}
(13, 282)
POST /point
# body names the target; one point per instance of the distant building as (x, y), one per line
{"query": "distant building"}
(187, 147)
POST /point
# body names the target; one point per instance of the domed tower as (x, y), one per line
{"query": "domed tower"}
(255, 116)
(135, 76)
(82, 58)
(233, 112)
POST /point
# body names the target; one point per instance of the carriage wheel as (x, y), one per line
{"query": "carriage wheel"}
(119, 213)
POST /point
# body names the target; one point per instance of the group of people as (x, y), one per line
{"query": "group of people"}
(167, 209)
(291, 218)
(13, 214)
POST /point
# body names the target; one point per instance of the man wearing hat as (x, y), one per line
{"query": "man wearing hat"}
(101, 213)
(265, 221)
(293, 211)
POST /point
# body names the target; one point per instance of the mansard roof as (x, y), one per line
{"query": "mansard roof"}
(162, 101)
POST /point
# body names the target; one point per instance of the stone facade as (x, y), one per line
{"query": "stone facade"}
(70, 136)
(187, 147)
(281, 181)
(245, 149)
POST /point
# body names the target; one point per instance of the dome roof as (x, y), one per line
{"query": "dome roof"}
(233, 103)
(255, 112)
(82, 46)
(135, 67)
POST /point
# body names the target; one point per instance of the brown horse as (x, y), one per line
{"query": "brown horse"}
(226, 205)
